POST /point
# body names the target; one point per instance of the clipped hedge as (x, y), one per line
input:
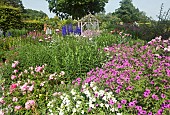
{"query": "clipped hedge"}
(10, 18)
(31, 25)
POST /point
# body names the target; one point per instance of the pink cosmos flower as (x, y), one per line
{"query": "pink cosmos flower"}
(24, 87)
(30, 88)
(15, 71)
(13, 77)
(27, 106)
(38, 69)
(1, 100)
(1, 112)
(12, 87)
(14, 99)
(15, 64)
(17, 107)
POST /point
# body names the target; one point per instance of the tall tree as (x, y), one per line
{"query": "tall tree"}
(128, 13)
(76, 8)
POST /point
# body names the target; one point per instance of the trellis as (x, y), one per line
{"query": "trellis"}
(89, 22)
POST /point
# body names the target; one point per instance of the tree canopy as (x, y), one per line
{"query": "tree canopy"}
(34, 14)
(128, 13)
(76, 8)
(14, 3)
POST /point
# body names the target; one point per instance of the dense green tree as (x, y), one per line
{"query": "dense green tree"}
(76, 8)
(34, 14)
(128, 13)
(14, 3)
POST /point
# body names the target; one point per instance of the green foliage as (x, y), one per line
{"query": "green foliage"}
(30, 14)
(76, 8)
(14, 3)
(10, 18)
(107, 20)
(74, 56)
(128, 13)
(17, 32)
(150, 29)
(31, 25)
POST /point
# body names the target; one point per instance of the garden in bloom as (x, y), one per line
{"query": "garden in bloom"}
(134, 79)
(83, 61)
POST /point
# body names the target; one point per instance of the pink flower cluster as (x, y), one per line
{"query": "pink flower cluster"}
(142, 71)
(15, 64)
(29, 104)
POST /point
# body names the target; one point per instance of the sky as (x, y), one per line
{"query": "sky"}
(150, 7)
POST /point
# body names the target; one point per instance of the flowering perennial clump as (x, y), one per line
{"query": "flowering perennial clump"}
(28, 90)
(138, 75)
(90, 99)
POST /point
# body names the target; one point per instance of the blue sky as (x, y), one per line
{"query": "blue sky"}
(150, 7)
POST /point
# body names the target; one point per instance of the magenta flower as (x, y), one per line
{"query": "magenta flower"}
(150, 113)
(155, 97)
(131, 104)
(123, 101)
(111, 102)
(139, 108)
(163, 95)
(119, 106)
(137, 77)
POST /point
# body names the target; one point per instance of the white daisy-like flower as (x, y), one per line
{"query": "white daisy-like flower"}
(101, 92)
(82, 112)
(101, 104)
(94, 88)
(92, 84)
(107, 106)
(73, 92)
(74, 110)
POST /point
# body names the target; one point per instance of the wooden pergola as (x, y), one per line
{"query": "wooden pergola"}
(88, 22)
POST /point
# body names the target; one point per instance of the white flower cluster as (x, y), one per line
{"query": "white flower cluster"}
(90, 98)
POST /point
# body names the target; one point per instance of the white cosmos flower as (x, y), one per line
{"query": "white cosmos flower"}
(94, 88)
(87, 93)
(73, 92)
(101, 92)
(107, 106)
(92, 84)
(78, 102)
(74, 110)
(101, 104)
(104, 98)
(91, 105)
(61, 112)
(119, 114)
(82, 112)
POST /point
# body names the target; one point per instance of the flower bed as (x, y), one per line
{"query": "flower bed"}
(134, 81)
